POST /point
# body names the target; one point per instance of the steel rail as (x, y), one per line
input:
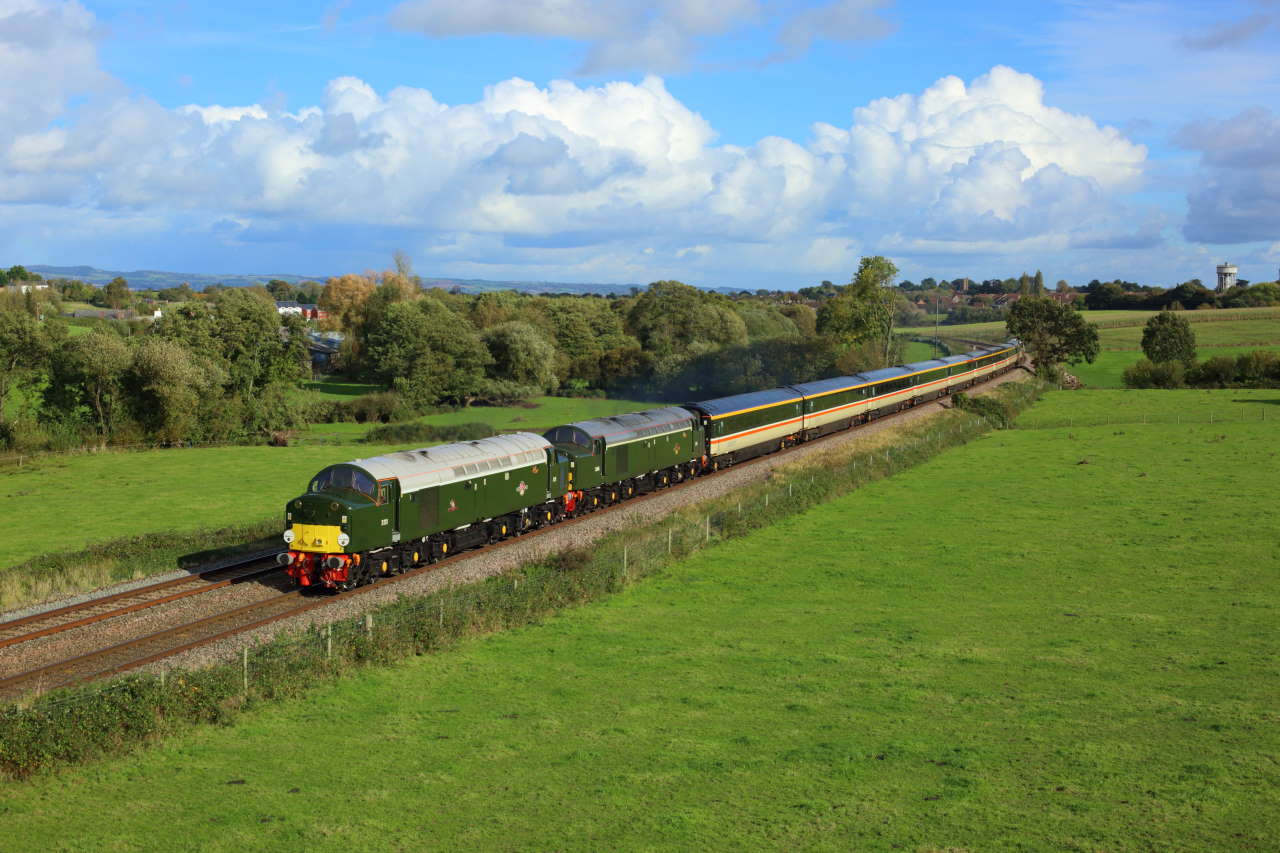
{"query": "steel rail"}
(73, 670)
(65, 618)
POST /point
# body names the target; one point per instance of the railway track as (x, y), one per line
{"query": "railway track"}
(141, 651)
(118, 604)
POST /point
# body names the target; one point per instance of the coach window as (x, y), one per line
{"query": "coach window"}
(384, 493)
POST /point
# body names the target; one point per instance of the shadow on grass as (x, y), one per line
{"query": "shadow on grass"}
(342, 389)
(1273, 402)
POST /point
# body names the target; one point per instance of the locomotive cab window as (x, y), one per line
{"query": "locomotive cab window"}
(344, 478)
(384, 493)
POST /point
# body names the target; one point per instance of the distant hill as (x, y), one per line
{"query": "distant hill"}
(160, 279)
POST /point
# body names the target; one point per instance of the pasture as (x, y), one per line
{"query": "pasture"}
(538, 415)
(1079, 656)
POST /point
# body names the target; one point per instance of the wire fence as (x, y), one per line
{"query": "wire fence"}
(73, 724)
(1266, 411)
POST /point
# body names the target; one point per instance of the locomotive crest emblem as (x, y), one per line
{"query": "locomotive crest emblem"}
(535, 469)
(677, 450)
(453, 506)
(522, 488)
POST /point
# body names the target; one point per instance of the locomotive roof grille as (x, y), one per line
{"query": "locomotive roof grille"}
(449, 463)
(618, 429)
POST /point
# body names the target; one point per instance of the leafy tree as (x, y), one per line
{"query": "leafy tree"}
(1102, 296)
(280, 290)
(116, 293)
(673, 320)
(1038, 283)
(343, 298)
(863, 311)
(88, 372)
(1168, 337)
(23, 353)
(522, 355)
(166, 385)
(449, 364)
(1051, 332)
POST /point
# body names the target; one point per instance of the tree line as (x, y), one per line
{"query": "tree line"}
(224, 365)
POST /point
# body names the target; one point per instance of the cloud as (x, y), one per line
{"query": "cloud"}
(48, 53)
(570, 177)
(1237, 195)
(1229, 33)
(658, 35)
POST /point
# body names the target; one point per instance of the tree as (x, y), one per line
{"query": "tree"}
(1168, 337)
(23, 352)
(862, 312)
(116, 293)
(673, 320)
(521, 354)
(280, 290)
(1038, 283)
(343, 298)
(1051, 332)
(88, 371)
(166, 384)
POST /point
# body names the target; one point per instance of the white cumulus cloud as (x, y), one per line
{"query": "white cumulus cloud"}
(570, 177)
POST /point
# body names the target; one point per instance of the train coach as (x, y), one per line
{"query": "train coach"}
(373, 517)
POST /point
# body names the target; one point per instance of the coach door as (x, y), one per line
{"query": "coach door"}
(388, 510)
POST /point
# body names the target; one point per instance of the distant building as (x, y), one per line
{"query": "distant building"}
(27, 287)
(1226, 276)
(289, 308)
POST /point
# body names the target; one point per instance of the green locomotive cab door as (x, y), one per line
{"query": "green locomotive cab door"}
(387, 511)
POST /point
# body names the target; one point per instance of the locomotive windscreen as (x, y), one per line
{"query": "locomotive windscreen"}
(344, 478)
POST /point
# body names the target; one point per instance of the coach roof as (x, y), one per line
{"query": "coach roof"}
(722, 406)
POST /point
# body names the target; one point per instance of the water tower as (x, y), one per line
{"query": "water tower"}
(1226, 276)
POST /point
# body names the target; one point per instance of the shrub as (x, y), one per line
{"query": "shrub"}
(994, 409)
(1217, 372)
(426, 433)
(1257, 366)
(1148, 374)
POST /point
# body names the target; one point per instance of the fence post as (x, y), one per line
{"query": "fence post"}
(708, 536)
(328, 641)
(670, 532)
(624, 560)
(788, 490)
(163, 672)
(368, 624)
(244, 656)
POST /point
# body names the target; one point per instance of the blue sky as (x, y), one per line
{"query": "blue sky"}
(740, 142)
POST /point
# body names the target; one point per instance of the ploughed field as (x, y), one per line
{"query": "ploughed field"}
(1055, 637)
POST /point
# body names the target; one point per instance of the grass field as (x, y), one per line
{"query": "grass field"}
(1107, 370)
(544, 413)
(1122, 322)
(882, 672)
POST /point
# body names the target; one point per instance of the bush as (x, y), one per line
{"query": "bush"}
(426, 433)
(1217, 372)
(996, 410)
(1257, 367)
(1148, 374)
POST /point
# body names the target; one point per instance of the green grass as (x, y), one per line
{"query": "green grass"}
(1262, 331)
(335, 389)
(879, 673)
(1183, 406)
(1107, 370)
(544, 413)
(1124, 324)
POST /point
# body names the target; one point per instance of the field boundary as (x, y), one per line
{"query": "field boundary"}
(114, 716)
